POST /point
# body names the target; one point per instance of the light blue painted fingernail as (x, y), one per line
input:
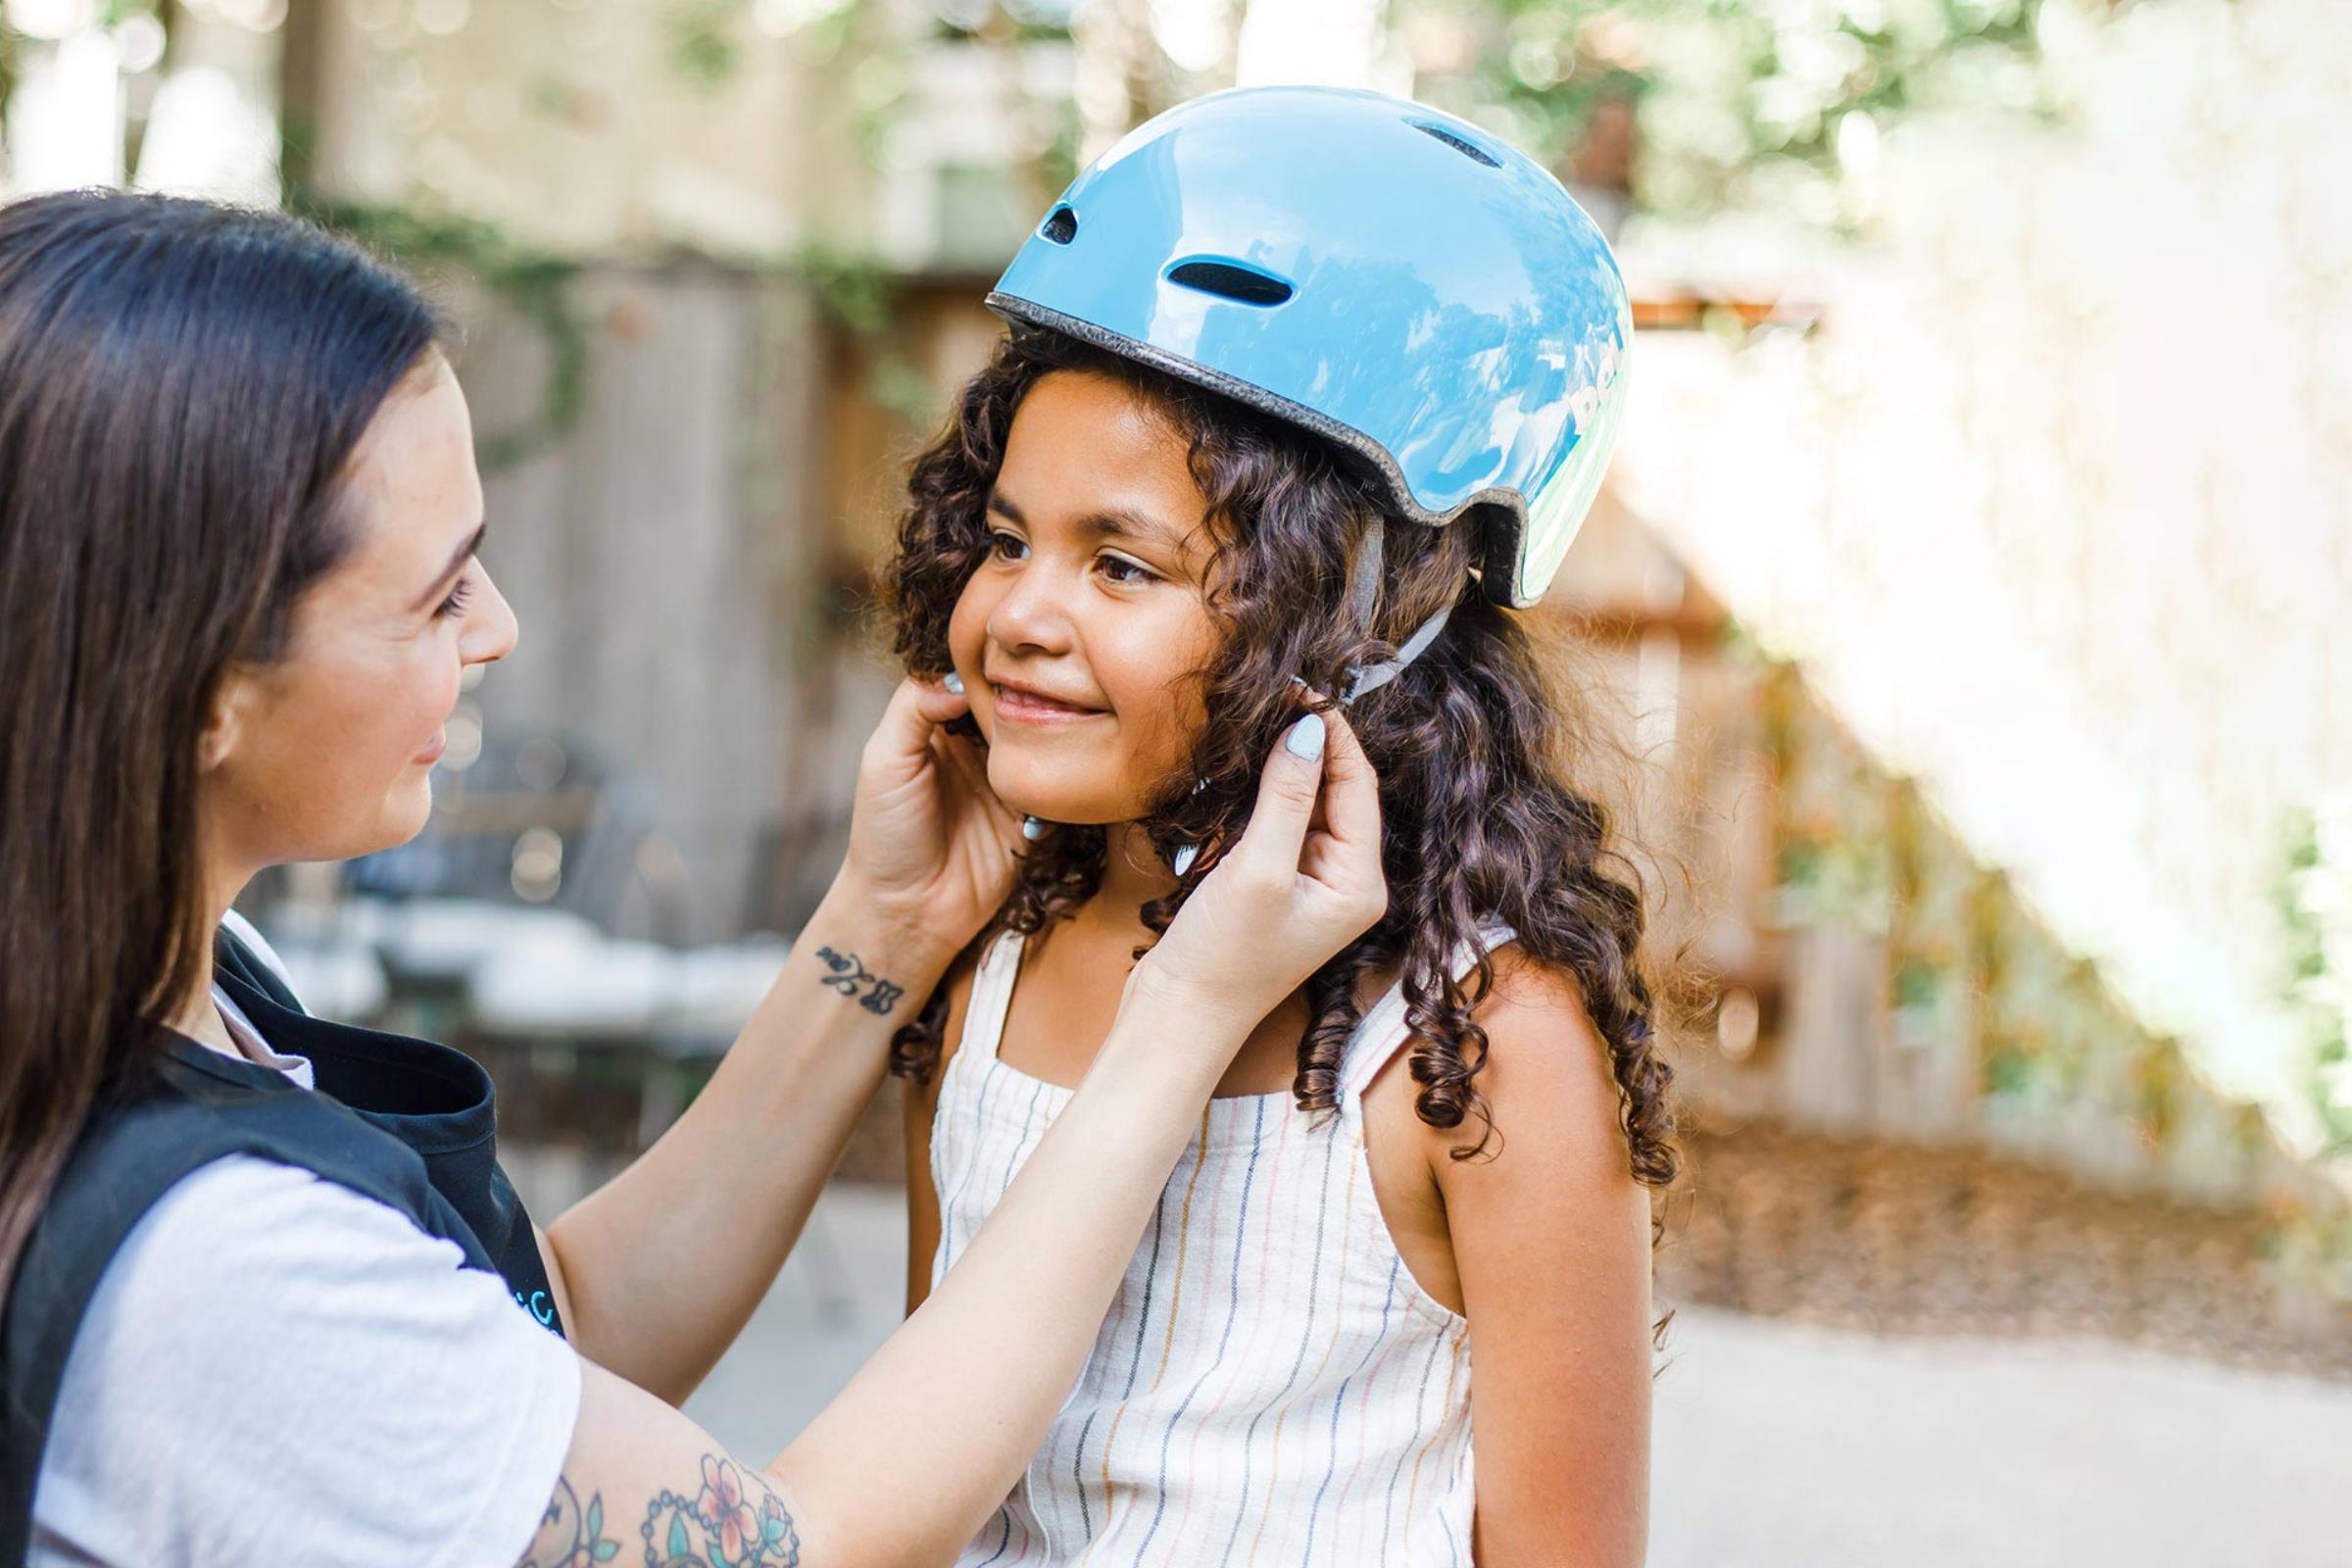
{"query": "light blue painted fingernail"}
(955, 684)
(1305, 738)
(1186, 855)
(1033, 828)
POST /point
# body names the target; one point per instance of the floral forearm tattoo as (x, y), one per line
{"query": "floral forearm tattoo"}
(848, 976)
(735, 1521)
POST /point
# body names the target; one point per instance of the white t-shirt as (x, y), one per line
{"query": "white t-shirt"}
(275, 1369)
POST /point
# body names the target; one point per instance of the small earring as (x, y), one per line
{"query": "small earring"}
(1187, 854)
(1033, 828)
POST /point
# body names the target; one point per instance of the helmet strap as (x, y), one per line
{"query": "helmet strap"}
(1363, 577)
(1363, 596)
(1372, 677)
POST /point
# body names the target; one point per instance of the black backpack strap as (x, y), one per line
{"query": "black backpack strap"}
(133, 1155)
(145, 1145)
(409, 1123)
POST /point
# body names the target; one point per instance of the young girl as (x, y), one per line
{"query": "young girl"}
(1305, 388)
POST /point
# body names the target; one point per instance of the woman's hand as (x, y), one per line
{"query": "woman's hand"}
(931, 856)
(1298, 887)
(931, 846)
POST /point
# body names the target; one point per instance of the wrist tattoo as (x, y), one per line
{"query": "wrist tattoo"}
(849, 977)
(735, 1520)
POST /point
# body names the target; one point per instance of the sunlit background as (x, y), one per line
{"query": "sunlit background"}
(1973, 582)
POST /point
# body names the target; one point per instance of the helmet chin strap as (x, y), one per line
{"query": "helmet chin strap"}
(1363, 597)
(1372, 677)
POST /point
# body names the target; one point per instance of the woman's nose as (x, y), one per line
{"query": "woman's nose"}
(491, 629)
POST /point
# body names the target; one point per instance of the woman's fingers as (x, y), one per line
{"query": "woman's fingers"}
(955, 756)
(1286, 799)
(1288, 895)
(900, 745)
(930, 844)
(970, 768)
(1319, 810)
(938, 703)
(1350, 794)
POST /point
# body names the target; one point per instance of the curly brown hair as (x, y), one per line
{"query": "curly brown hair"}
(1470, 745)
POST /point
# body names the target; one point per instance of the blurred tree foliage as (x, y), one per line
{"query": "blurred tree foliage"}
(2315, 908)
(1684, 107)
(8, 73)
(536, 284)
(1737, 102)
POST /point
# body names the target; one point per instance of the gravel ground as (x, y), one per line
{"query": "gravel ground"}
(1779, 1446)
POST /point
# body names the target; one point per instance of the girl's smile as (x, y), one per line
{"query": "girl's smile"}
(1020, 703)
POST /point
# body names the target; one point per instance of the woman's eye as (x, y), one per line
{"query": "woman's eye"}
(1006, 546)
(456, 602)
(1122, 571)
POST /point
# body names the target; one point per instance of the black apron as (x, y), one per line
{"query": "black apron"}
(407, 1122)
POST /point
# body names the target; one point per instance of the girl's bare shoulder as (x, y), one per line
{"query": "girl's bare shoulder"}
(1547, 1078)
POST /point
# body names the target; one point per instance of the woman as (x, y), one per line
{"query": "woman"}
(248, 1320)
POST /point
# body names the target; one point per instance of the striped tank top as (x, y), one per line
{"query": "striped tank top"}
(1271, 1386)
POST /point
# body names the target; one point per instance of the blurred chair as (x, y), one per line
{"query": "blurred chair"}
(535, 822)
(515, 918)
(519, 920)
(681, 1009)
(792, 867)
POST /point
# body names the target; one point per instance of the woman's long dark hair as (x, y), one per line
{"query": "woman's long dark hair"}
(181, 387)
(1471, 743)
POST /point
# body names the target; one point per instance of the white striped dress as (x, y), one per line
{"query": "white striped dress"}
(1272, 1386)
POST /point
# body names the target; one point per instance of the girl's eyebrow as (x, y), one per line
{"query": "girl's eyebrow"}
(1116, 524)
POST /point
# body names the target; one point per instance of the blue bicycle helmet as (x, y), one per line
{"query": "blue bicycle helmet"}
(1393, 279)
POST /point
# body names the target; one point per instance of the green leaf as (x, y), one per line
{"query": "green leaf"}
(596, 1517)
(679, 1545)
(607, 1550)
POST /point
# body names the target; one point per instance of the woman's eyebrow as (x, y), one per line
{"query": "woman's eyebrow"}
(457, 563)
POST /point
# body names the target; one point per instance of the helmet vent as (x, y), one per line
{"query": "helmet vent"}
(1224, 278)
(1460, 144)
(1060, 225)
